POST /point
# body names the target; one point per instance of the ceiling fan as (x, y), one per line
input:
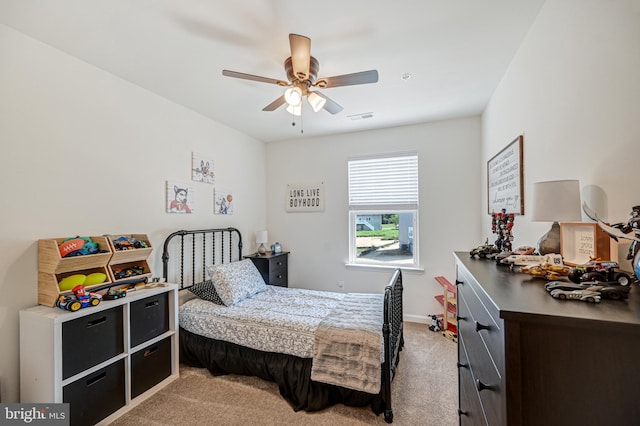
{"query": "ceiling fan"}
(302, 73)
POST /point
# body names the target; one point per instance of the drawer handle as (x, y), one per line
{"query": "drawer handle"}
(461, 412)
(480, 326)
(150, 351)
(460, 365)
(458, 282)
(279, 263)
(152, 304)
(481, 386)
(96, 322)
(460, 318)
(96, 379)
(279, 277)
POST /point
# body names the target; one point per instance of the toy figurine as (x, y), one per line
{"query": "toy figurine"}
(616, 232)
(632, 225)
(501, 224)
(436, 323)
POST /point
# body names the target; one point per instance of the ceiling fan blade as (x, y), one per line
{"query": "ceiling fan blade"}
(363, 77)
(330, 105)
(300, 55)
(252, 77)
(275, 104)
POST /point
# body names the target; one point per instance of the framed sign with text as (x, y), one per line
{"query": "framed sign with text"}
(583, 241)
(305, 197)
(504, 179)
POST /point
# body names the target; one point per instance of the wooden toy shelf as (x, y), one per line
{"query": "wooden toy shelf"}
(135, 257)
(52, 267)
(448, 299)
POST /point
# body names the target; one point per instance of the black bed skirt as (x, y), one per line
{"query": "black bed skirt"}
(291, 373)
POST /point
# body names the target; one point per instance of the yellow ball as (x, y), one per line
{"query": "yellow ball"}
(95, 278)
(71, 281)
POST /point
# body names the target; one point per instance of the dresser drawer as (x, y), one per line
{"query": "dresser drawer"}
(487, 378)
(278, 278)
(482, 318)
(470, 412)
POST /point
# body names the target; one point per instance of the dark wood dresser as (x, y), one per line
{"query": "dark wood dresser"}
(273, 267)
(525, 358)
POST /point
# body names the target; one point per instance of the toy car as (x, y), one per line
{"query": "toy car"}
(485, 251)
(525, 250)
(595, 270)
(113, 294)
(563, 285)
(80, 299)
(547, 271)
(612, 290)
(584, 295)
(532, 259)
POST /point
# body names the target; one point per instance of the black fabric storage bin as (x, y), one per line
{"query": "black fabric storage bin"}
(96, 396)
(149, 366)
(90, 340)
(149, 318)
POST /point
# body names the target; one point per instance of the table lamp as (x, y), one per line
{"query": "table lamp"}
(261, 238)
(555, 201)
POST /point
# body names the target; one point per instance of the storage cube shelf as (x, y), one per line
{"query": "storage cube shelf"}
(102, 360)
(52, 267)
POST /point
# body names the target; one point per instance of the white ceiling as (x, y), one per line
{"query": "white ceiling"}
(455, 51)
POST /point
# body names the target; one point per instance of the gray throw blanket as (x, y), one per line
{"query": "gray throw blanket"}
(348, 347)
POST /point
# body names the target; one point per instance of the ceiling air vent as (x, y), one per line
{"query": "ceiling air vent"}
(361, 116)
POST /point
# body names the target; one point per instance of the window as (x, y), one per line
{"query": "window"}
(383, 211)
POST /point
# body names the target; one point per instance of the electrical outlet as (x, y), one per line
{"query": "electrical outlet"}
(340, 284)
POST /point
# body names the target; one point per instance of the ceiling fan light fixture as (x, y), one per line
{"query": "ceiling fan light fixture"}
(316, 101)
(293, 96)
(295, 109)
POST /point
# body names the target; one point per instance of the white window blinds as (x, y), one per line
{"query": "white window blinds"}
(384, 183)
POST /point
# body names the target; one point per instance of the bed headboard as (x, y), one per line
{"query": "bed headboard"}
(186, 254)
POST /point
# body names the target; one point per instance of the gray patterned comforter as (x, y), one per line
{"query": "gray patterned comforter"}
(282, 320)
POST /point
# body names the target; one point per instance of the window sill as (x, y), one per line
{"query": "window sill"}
(364, 266)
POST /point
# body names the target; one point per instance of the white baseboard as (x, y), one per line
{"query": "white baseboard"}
(417, 318)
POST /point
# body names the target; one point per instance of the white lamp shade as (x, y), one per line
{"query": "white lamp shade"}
(293, 96)
(261, 237)
(295, 109)
(316, 101)
(556, 201)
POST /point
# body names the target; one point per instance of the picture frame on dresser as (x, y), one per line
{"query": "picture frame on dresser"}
(583, 241)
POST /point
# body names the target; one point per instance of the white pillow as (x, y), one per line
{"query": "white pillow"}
(236, 281)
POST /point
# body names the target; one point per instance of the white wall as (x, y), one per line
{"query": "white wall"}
(573, 90)
(85, 153)
(448, 154)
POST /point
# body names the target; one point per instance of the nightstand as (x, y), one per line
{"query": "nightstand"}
(272, 267)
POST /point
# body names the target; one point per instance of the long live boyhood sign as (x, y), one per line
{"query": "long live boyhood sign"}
(305, 197)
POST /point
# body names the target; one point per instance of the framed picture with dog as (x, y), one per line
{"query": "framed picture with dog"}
(180, 198)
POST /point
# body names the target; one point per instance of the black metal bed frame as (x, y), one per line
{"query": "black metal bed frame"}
(217, 246)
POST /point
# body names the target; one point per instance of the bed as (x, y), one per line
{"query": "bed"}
(233, 323)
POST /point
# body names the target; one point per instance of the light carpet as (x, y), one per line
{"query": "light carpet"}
(424, 392)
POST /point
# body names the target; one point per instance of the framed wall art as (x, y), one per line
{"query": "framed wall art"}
(180, 198)
(505, 179)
